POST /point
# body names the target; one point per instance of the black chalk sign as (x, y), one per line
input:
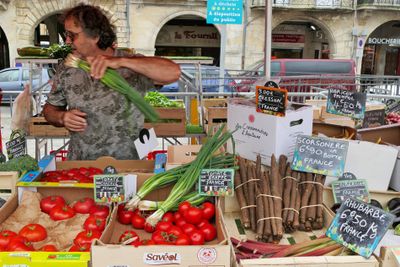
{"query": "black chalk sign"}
(320, 155)
(343, 189)
(374, 118)
(271, 100)
(359, 226)
(346, 103)
(216, 182)
(392, 105)
(16, 147)
(109, 188)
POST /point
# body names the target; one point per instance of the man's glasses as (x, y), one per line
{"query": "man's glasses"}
(71, 35)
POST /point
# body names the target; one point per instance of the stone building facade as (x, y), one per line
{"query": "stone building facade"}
(301, 28)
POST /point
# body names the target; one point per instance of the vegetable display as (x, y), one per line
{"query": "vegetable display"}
(113, 80)
(21, 164)
(157, 99)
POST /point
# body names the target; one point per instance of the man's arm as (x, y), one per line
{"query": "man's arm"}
(160, 70)
(74, 120)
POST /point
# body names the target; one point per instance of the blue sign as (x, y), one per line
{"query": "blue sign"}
(224, 11)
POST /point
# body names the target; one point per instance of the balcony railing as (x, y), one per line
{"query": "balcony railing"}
(379, 3)
(306, 4)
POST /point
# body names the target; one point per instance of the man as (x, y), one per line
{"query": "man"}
(101, 121)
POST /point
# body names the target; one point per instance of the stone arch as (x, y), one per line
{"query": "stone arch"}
(321, 24)
(32, 12)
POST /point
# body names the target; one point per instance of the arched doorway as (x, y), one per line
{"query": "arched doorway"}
(300, 39)
(188, 35)
(49, 31)
(4, 52)
(382, 50)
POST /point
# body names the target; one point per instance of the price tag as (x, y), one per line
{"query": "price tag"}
(216, 182)
(346, 103)
(357, 189)
(271, 100)
(374, 118)
(392, 105)
(109, 188)
(320, 155)
(16, 147)
(359, 226)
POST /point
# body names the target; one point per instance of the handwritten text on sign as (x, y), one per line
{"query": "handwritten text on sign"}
(346, 103)
(350, 188)
(359, 226)
(271, 100)
(109, 188)
(16, 147)
(320, 155)
(216, 182)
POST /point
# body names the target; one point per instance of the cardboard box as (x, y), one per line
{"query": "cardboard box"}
(369, 161)
(214, 253)
(176, 126)
(389, 256)
(48, 163)
(264, 134)
(178, 155)
(232, 215)
(389, 135)
(333, 130)
(46, 259)
(39, 127)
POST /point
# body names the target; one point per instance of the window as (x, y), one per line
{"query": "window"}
(9, 76)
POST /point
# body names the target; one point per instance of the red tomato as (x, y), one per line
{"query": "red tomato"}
(196, 238)
(86, 237)
(138, 221)
(182, 240)
(149, 228)
(177, 216)
(208, 210)
(19, 243)
(163, 226)
(59, 213)
(161, 238)
(125, 216)
(5, 237)
(80, 248)
(174, 232)
(183, 207)
(202, 223)
(47, 203)
(188, 228)
(83, 205)
(48, 247)
(168, 217)
(93, 171)
(193, 215)
(95, 223)
(180, 223)
(33, 232)
(100, 210)
(128, 234)
(209, 232)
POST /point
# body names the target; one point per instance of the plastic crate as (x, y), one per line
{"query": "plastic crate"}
(60, 155)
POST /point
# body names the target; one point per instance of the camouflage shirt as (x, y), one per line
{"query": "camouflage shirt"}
(113, 123)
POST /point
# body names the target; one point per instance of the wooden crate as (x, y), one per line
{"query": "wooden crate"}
(215, 113)
(38, 126)
(166, 129)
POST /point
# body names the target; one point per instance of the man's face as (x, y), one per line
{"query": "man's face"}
(82, 44)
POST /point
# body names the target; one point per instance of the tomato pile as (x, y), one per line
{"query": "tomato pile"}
(80, 175)
(58, 210)
(393, 117)
(189, 225)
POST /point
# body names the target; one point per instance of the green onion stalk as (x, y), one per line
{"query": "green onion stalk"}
(186, 182)
(193, 198)
(171, 176)
(112, 79)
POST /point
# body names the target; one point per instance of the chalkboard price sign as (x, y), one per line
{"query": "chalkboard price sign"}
(320, 155)
(109, 188)
(216, 182)
(346, 103)
(343, 189)
(271, 100)
(16, 147)
(359, 226)
(392, 105)
(374, 118)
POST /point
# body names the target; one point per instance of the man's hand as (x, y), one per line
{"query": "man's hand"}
(99, 64)
(74, 120)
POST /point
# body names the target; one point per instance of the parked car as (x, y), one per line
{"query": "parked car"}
(210, 79)
(14, 79)
(308, 71)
